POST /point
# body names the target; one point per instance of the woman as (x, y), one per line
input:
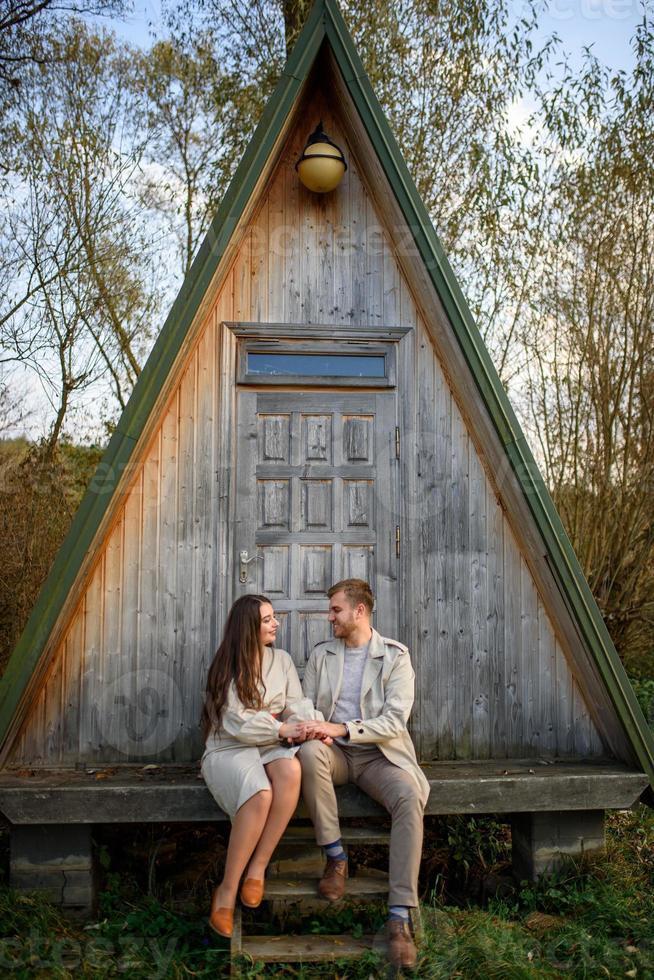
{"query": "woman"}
(252, 712)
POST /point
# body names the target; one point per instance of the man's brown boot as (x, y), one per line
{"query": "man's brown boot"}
(332, 884)
(402, 950)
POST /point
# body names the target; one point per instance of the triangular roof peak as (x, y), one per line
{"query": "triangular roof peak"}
(325, 34)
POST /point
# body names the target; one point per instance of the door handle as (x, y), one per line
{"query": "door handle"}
(244, 562)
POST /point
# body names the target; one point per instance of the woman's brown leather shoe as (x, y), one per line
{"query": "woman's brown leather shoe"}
(252, 892)
(222, 921)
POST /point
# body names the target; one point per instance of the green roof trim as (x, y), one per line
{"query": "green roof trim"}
(326, 22)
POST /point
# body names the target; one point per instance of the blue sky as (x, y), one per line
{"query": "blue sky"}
(607, 25)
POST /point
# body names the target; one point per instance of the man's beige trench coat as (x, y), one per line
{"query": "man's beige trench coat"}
(387, 692)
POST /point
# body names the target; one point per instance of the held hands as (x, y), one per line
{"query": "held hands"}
(293, 731)
(297, 732)
(326, 731)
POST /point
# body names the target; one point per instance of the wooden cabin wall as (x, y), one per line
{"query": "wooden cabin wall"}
(491, 678)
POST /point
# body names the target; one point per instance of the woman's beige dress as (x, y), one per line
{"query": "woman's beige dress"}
(235, 754)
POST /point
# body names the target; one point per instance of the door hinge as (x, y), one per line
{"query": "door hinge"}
(397, 540)
(397, 442)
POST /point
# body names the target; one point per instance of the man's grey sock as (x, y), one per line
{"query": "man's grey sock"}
(398, 912)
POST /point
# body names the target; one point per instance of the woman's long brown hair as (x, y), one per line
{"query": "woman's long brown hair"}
(237, 659)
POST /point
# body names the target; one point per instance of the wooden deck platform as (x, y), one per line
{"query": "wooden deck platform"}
(134, 794)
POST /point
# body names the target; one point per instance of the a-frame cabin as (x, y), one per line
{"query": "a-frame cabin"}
(410, 471)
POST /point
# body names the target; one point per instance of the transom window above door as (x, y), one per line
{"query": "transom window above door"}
(275, 364)
(316, 355)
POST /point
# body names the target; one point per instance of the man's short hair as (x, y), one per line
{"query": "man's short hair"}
(356, 591)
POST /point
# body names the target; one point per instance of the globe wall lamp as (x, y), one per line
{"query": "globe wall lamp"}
(322, 164)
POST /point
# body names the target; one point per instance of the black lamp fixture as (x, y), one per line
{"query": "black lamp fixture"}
(322, 164)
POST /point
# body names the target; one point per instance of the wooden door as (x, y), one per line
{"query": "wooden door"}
(316, 501)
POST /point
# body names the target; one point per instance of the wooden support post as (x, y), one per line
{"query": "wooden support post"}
(541, 842)
(55, 859)
(236, 942)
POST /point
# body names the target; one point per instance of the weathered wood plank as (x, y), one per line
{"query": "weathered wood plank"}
(309, 264)
(205, 509)
(259, 238)
(313, 949)
(108, 706)
(445, 585)
(294, 196)
(513, 644)
(53, 712)
(358, 297)
(582, 721)
(147, 662)
(480, 666)
(91, 681)
(390, 282)
(242, 278)
(342, 249)
(407, 493)
(423, 542)
(495, 622)
(564, 701)
(349, 835)
(459, 515)
(129, 684)
(597, 748)
(225, 469)
(373, 245)
(185, 667)
(547, 685)
(167, 585)
(531, 663)
(129, 795)
(386, 562)
(276, 242)
(74, 652)
(361, 888)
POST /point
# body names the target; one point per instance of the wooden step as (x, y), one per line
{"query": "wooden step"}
(360, 889)
(349, 835)
(312, 949)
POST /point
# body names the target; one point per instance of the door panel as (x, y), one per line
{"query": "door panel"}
(316, 502)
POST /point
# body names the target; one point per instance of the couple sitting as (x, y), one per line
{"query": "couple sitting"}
(265, 735)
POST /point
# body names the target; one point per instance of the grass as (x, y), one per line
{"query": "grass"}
(594, 919)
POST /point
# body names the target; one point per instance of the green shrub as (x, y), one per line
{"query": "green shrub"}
(644, 688)
(40, 490)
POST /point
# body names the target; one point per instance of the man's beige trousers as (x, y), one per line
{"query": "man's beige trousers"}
(326, 766)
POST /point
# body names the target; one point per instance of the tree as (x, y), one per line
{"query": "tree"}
(590, 337)
(197, 117)
(26, 30)
(79, 262)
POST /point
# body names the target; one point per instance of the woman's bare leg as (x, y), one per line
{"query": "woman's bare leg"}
(247, 827)
(285, 777)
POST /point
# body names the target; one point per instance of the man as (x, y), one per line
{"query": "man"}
(363, 684)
